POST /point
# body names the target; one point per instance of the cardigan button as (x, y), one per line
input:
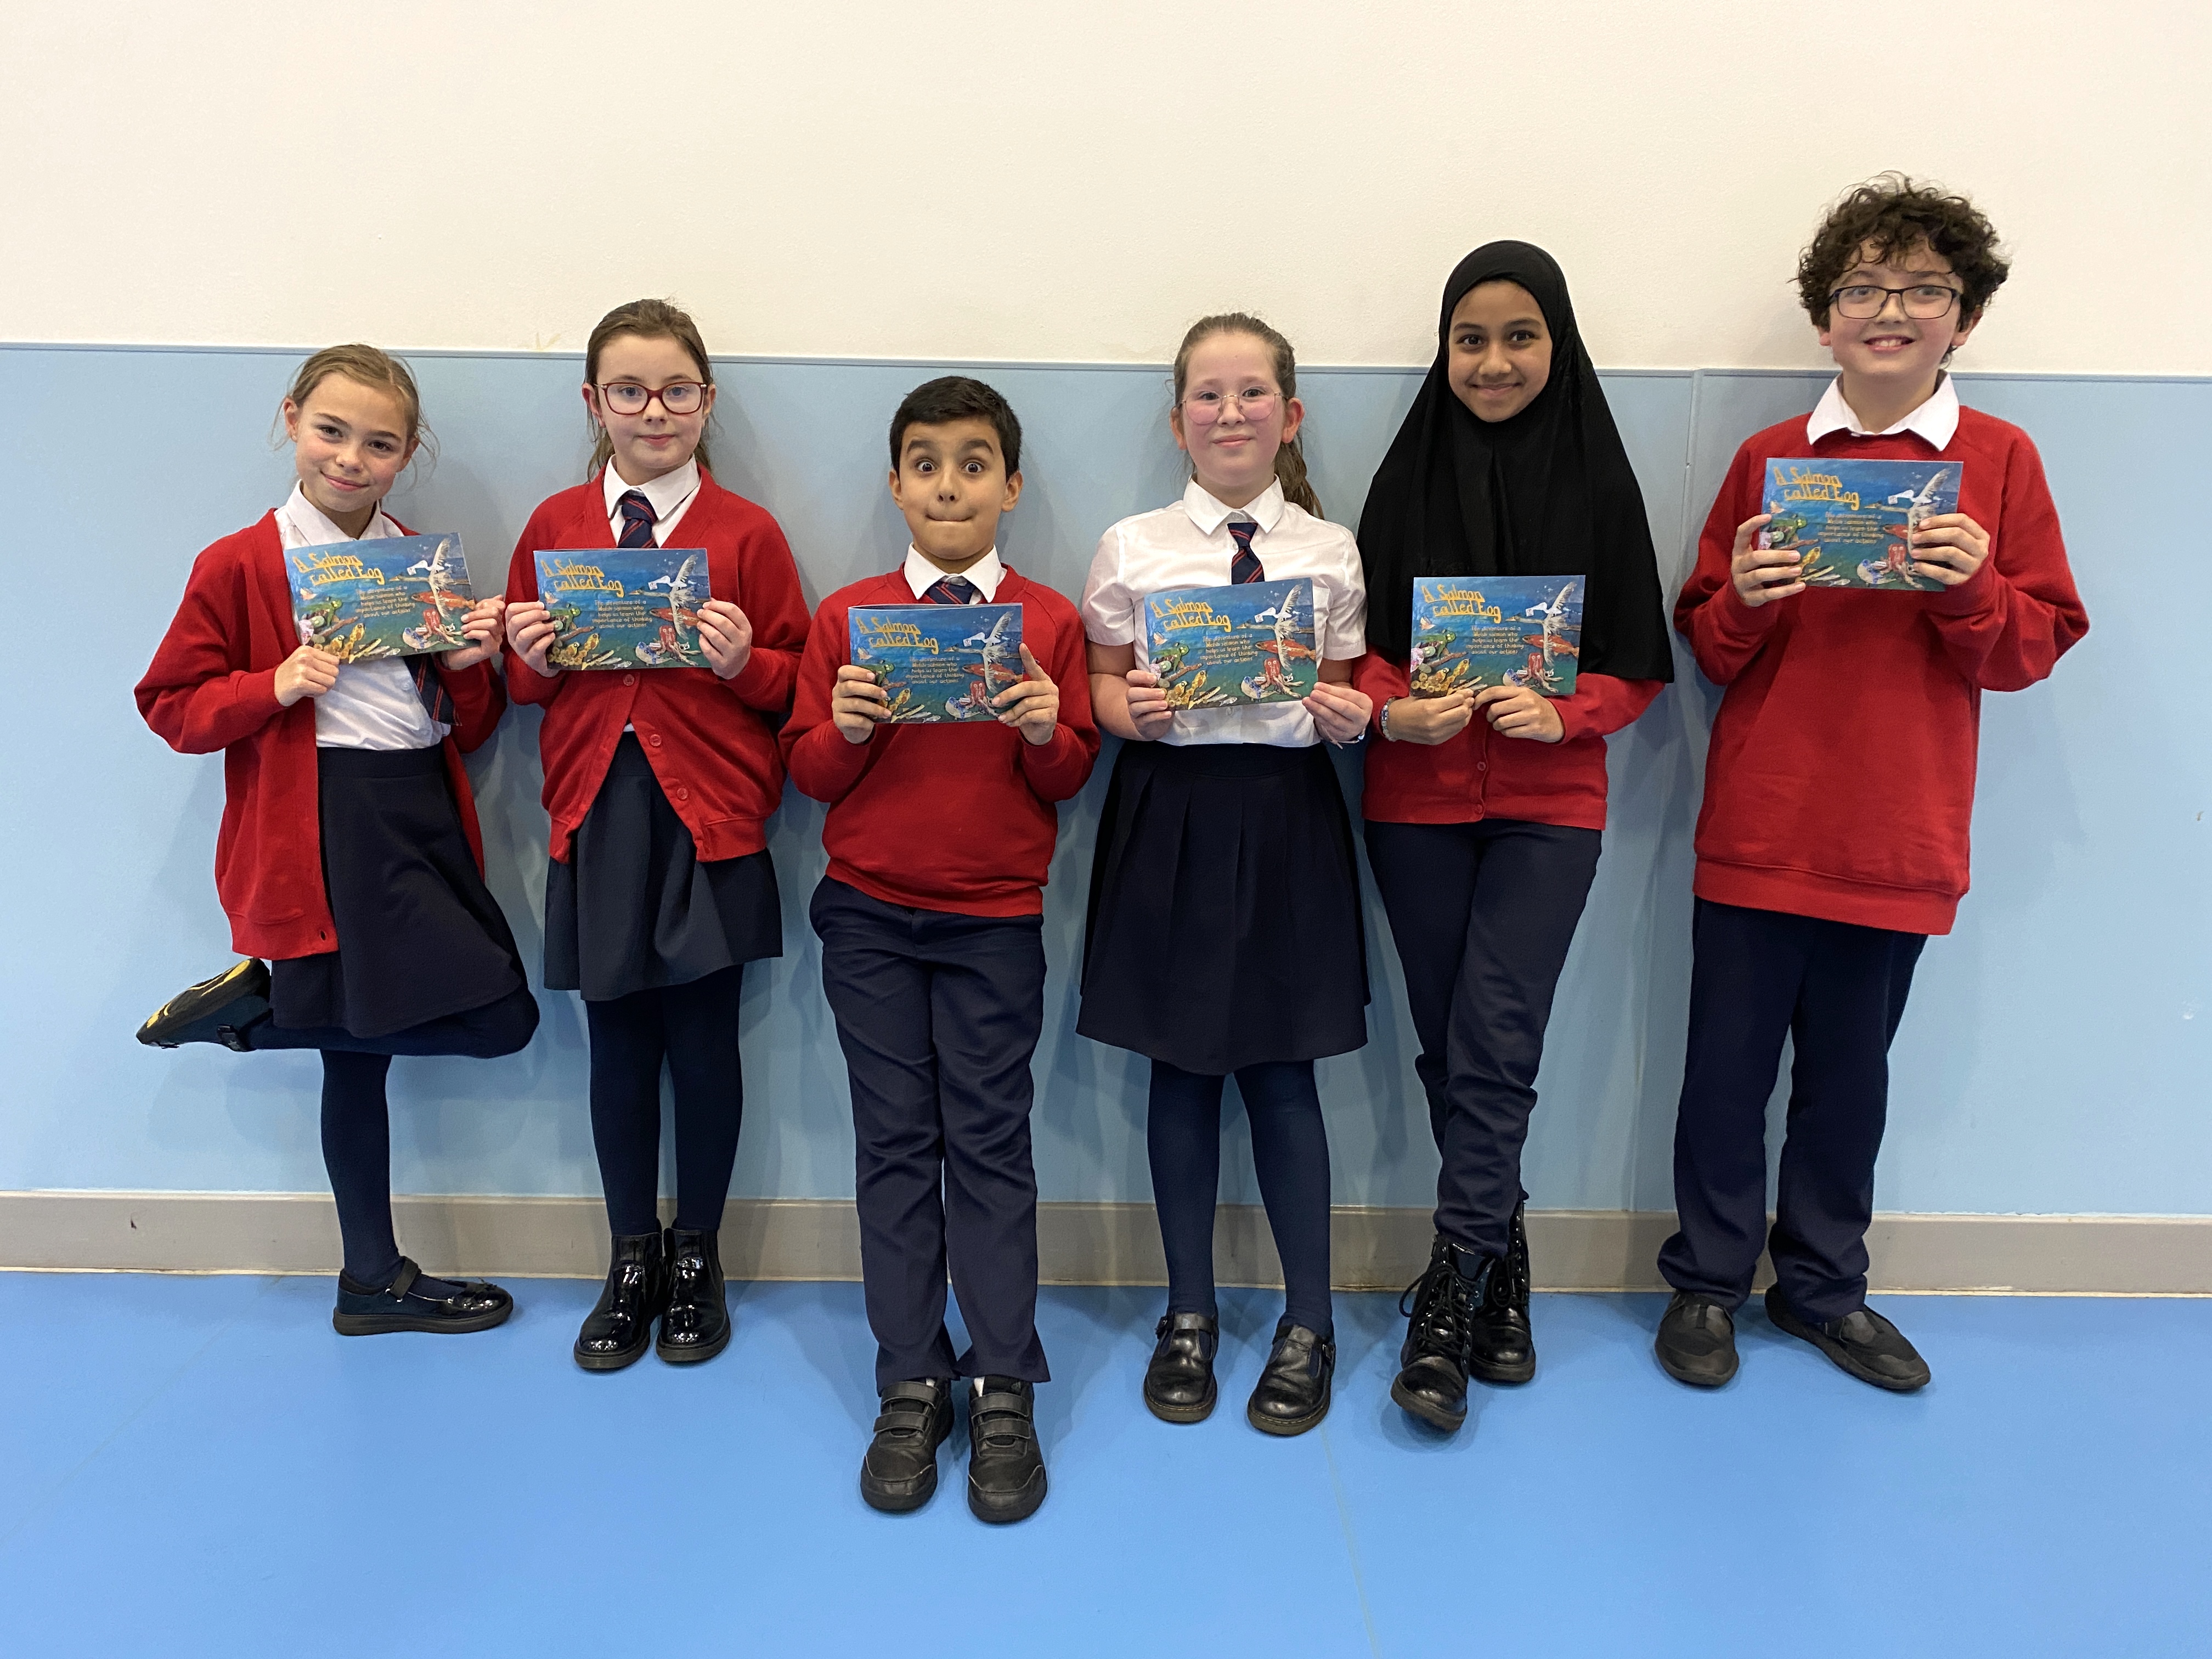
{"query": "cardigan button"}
(655, 739)
(683, 795)
(1482, 766)
(630, 679)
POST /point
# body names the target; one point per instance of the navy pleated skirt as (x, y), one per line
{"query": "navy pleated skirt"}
(1224, 924)
(635, 907)
(420, 936)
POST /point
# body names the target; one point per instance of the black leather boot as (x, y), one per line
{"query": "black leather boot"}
(1501, 1348)
(617, 1331)
(1006, 1465)
(697, 1326)
(1433, 1361)
(1292, 1395)
(1179, 1386)
(900, 1470)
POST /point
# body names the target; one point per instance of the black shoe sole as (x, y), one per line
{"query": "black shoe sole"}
(693, 1356)
(1415, 1405)
(248, 1001)
(1197, 1413)
(1778, 1313)
(610, 1362)
(896, 1503)
(1284, 1427)
(1000, 1512)
(346, 1324)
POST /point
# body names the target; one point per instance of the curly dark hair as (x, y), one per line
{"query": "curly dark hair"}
(1892, 214)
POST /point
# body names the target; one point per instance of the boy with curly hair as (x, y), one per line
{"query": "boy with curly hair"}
(1829, 844)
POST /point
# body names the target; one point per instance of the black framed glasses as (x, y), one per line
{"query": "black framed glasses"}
(677, 397)
(1923, 301)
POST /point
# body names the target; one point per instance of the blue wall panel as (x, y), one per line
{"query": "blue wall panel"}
(2054, 1058)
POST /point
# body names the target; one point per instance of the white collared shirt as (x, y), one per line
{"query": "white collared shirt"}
(374, 705)
(668, 495)
(1934, 420)
(985, 573)
(1188, 545)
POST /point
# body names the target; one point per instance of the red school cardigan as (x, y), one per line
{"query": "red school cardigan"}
(1839, 781)
(212, 685)
(709, 740)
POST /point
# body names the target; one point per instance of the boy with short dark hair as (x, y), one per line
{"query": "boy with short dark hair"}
(1840, 780)
(933, 957)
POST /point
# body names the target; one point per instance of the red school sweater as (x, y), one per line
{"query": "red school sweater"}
(1479, 775)
(1839, 781)
(957, 817)
(709, 740)
(212, 685)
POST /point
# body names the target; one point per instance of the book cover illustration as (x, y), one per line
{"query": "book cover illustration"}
(624, 607)
(939, 663)
(1475, 632)
(1216, 648)
(1850, 521)
(397, 596)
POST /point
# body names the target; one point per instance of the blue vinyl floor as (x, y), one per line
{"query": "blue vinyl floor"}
(200, 1465)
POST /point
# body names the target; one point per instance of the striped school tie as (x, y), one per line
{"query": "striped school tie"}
(432, 690)
(950, 590)
(637, 520)
(1245, 566)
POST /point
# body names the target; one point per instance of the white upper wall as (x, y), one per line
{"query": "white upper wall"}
(885, 178)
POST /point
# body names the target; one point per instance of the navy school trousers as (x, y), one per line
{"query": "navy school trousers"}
(1482, 915)
(939, 1014)
(1839, 992)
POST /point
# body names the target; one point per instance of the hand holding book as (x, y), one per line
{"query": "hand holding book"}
(725, 635)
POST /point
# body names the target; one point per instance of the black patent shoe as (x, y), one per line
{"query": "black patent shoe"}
(615, 1331)
(1696, 1342)
(1862, 1343)
(1433, 1361)
(696, 1325)
(407, 1305)
(1006, 1465)
(1501, 1348)
(900, 1471)
(217, 1010)
(1179, 1386)
(1293, 1393)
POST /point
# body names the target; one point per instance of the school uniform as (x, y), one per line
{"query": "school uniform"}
(348, 854)
(658, 886)
(1832, 840)
(1223, 933)
(939, 838)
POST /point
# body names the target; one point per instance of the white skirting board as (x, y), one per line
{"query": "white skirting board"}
(1079, 1243)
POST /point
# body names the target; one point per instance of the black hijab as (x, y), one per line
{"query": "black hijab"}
(1546, 493)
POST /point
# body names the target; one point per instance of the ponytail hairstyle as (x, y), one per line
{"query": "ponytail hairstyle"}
(1289, 459)
(380, 371)
(650, 319)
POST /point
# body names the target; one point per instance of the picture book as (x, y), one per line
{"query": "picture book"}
(938, 662)
(398, 596)
(624, 607)
(1850, 521)
(1215, 647)
(1474, 632)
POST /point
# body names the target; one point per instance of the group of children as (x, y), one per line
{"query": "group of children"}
(1829, 846)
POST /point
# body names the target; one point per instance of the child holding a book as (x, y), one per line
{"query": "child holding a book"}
(348, 854)
(939, 834)
(1839, 781)
(1485, 804)
(1223, 934)
(658, 780)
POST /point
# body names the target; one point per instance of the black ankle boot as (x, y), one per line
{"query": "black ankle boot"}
(1433, 1361)
(1501, 1348)
(1292, 1395)
(617, 1331)
(697, 1323)
(1179, 1386)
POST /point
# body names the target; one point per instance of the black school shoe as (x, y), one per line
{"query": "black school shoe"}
(1179, 1385)
(616, 1330)
(217, 1010)
(465, 1304)
(1862, 1342)
(1432, 1361)
(1696, 1342)
(1292, 1395)
(899, 1472)
(1006, 1465)
(696, 1325)
(1501, 1348)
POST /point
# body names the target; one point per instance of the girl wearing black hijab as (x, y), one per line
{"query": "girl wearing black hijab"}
(1485, 808)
